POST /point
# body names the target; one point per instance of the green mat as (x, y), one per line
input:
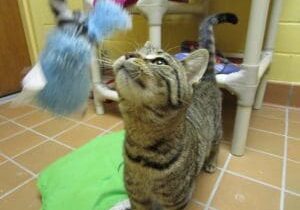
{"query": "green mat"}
(90, 178)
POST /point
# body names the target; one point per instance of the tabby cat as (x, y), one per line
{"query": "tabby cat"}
(172, 116)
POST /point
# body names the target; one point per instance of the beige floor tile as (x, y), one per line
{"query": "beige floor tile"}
(25, 198)
(292, 177)
(204, 185)
(267, 124)
(265, 141)
(90, 111)
(11, 176)
(294, 115)
(194, 206)
(294, 149)
(2, 120)
(2, 159)
(54, 126)
(79, 135)
(105, 121)
(34, 118)
(294, 129)
(236, 193)
(270, 112)
(292, 202)
(258, 166)
(17, 144)
(9, 111)
(41, 156)
(8, 129)
(118, 127)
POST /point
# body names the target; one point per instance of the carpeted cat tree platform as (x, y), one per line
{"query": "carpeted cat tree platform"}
(90, 178)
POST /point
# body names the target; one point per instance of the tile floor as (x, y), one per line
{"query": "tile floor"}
(266, 178)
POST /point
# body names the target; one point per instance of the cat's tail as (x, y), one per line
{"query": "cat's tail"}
(207, 40)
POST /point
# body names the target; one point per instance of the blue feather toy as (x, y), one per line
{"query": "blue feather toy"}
(65, 62)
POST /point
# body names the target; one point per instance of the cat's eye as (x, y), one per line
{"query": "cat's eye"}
(160, 61)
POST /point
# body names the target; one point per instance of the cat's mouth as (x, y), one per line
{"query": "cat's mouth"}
(133, 75)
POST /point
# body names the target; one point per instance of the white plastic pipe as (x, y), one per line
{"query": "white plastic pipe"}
(240, 133)
(273, 25)
(256, 30)
(264, 63)
(250, 66)
(106, 93)
(155, 35)
(269, 48)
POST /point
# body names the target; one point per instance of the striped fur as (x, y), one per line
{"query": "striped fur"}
(207, 40)
(173, 126)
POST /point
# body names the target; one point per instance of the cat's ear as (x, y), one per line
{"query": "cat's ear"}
(196, 65)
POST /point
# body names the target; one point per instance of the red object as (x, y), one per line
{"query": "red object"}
(129, 3)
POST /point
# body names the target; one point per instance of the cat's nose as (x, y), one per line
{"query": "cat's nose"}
(132, 55)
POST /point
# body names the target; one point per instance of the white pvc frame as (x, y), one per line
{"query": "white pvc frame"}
(248, 84)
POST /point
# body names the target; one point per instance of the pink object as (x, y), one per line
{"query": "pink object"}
(124, 3)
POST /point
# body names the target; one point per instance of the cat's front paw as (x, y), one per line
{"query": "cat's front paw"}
(210, 168)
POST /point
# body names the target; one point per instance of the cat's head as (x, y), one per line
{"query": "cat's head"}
(154, 79)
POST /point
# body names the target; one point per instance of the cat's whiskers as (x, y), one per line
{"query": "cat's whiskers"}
(172, 48)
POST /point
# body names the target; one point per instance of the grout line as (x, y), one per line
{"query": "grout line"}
(16, 188)
(292, 193)
(284, 170)
(20, 116)
(294, 108)
(198, 202)
(24, 115)
(217, 183)
(63, 144)
(29, 149)
(87, 124)
(93, 126)
(40, 123)
(47, 137)
(294, 138)
(257, 150)
(265, 131)
(274, 105)
(263, 152)
(23, 126)
(4, 162)
(12, 135)
(18, 164)
(253, 180)
(294, 161)
(257, 129)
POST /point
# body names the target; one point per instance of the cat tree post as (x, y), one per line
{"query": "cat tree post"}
(246, 92)
(154, 11)
(269, 47)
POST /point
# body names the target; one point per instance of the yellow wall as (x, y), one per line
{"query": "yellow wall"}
(38, 20)
(286, 62)
(286, 65)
